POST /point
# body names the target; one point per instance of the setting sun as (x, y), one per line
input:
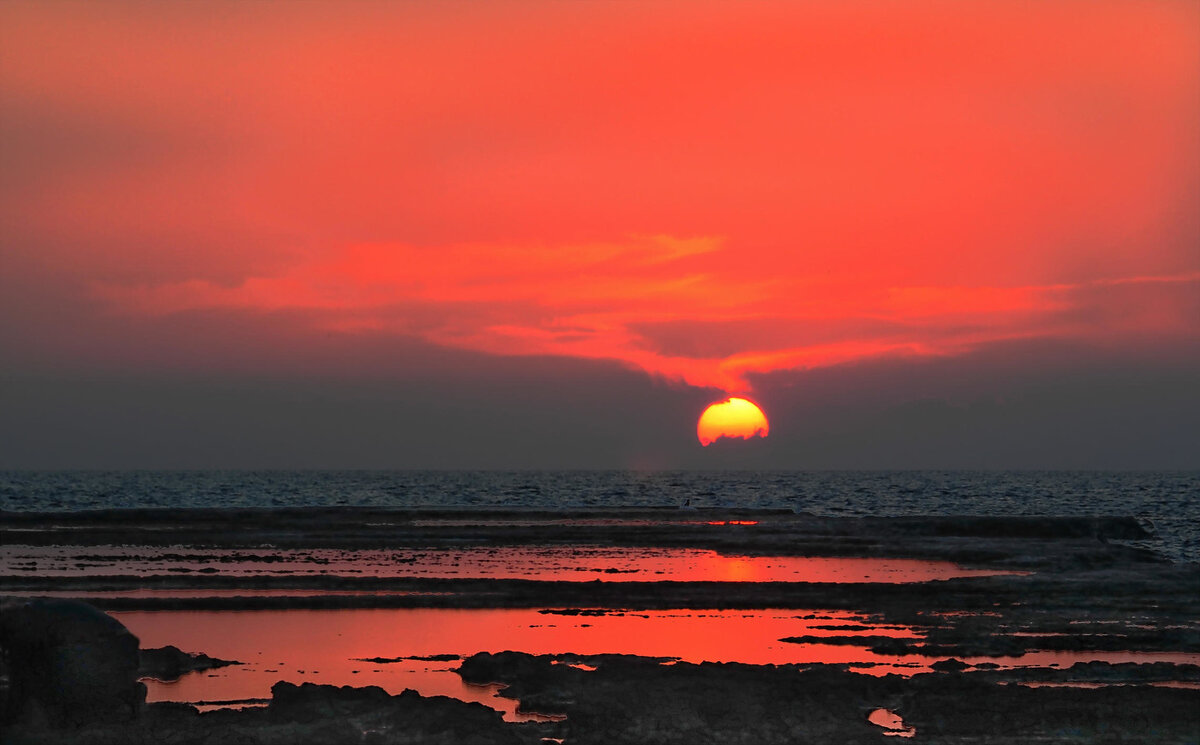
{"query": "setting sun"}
(733, 417)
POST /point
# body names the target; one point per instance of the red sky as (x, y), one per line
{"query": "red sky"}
(701, 191)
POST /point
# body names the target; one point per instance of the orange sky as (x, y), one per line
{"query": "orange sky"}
(700, 190)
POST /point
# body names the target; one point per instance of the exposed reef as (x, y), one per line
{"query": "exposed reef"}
(624, 699)
(1018, 542)
(297, 715)
(1078, 587)
(423, 658)
(628, 699)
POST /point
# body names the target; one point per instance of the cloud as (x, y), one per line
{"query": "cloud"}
(655, 303)
(704, 192)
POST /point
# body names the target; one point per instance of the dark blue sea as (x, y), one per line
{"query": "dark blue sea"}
(1169, 502)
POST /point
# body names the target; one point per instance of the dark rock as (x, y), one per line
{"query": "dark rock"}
(308, 702)
(418, 657)
(408, 717)
(955, 709)
(630, 699)
(301, 715)
(949, 666)
(68, 664)
(885, 645)
(169, 662)
(891, 646)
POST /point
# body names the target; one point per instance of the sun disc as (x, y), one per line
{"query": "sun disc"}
(733, 417)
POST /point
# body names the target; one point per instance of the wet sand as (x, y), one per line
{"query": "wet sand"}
(999, 609)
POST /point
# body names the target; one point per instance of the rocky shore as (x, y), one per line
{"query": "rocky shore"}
(1091, 586)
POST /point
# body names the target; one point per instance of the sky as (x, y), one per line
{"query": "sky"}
(524, 234)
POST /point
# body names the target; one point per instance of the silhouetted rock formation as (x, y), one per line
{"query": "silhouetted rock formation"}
(68, 664)
(630, 699)
(169, 662)
(406, 717)
(302, 715)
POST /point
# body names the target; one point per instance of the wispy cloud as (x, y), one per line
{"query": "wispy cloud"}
(655, 303)
(702, 191)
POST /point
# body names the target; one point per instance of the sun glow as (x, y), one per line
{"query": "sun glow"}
(733, 417)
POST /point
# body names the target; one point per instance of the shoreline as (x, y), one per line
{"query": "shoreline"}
(1066, 589)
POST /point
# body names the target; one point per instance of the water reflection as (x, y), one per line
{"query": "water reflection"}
(891, 722)
(330, 646)
(336, 646)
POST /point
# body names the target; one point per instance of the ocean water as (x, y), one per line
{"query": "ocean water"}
(1169, 501)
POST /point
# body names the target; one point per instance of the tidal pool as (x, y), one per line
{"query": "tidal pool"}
(891, 722)
(334, 646)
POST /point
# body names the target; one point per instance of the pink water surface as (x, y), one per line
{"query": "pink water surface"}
(328, 646)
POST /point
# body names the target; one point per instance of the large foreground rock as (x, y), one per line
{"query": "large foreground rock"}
(68, 664)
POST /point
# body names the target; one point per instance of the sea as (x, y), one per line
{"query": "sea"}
(1166, 502)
